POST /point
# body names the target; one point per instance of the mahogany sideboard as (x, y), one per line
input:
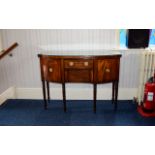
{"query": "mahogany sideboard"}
(94, 69)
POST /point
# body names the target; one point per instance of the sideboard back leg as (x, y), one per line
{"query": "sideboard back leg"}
(116, 94)
(113, 92)
(95, 92)
(64, 96)
(44, 94)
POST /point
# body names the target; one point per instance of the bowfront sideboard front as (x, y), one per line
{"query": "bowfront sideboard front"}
(94, 69)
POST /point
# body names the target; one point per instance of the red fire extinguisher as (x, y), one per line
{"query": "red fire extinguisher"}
(149, 96)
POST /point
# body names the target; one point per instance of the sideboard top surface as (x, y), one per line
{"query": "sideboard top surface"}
(87, 53)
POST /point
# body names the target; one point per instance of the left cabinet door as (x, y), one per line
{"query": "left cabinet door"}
(51, 69)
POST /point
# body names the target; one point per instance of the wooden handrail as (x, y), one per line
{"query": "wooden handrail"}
(5, 52)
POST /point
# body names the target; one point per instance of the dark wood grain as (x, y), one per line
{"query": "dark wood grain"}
(81, 69)
(48, 90)
(113, 91)
(64, 96)
(63, 85)
(79, 76)
(95, 92)
(44, 94)
(116, 95)
(50, 69)
(107, 70)
(78, 64)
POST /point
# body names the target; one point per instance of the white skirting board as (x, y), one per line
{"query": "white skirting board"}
(8, 94)
(76, 93)
(71, 93)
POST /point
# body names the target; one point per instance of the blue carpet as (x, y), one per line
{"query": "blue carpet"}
(79, 113)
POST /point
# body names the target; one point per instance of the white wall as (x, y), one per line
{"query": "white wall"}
(22, 70)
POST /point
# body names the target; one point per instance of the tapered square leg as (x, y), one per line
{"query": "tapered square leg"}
(113, 92)
(116, 95)
(64, 96)
(44, 94)
(48, 91)
(95, 92)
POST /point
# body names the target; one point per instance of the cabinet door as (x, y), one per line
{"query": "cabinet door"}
(51, 69)
(107, 70)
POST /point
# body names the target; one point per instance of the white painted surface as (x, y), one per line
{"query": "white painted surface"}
(22, 70)
(75, 51)
(75, 94)
(8, 94)
(79, 93)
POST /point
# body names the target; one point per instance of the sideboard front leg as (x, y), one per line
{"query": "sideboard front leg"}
(44, 94)
(95, 92)
(116, 94)
(64, 96)
(48, 91)
(113, 92)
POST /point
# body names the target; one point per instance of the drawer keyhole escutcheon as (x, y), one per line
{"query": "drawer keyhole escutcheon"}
(50, 70)
(107, 70)
(85, 63)
(71, 63)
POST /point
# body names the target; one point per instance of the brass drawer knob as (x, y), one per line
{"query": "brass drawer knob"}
(107, 70)
(85, 63)
(50, 70)
(71, 63)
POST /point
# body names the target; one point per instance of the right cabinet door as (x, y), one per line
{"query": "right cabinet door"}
(107, 70)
